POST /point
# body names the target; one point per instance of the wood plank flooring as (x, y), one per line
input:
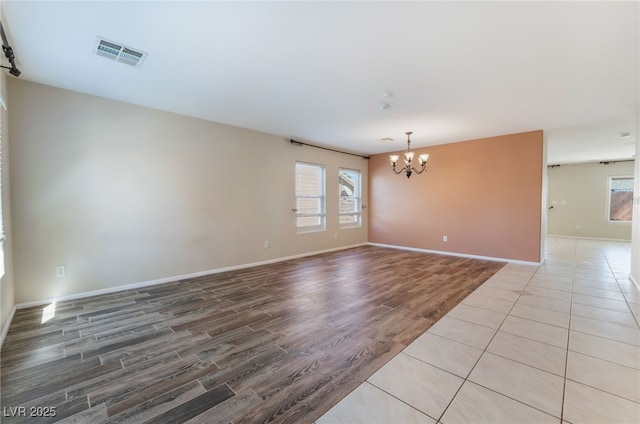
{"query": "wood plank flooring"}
(275, 343)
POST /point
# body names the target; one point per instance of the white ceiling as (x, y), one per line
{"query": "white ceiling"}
(318, 71)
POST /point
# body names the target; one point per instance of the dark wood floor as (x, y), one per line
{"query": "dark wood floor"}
(274, 343)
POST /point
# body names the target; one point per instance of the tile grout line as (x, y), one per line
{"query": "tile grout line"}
(395, 397)
(624, 294)
(566, 356)
(604, 338)
(566, 360)
(485, 351)
(464, 379)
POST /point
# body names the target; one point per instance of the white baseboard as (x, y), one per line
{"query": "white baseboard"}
(591, 238)
(7, 324)
(139, 285)
(462, 255)
(634, 281)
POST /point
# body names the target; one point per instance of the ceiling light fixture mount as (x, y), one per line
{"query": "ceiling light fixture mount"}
(408, 168)
(386, 100)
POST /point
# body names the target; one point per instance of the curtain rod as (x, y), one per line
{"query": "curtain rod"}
(300, 144)
(602, 162)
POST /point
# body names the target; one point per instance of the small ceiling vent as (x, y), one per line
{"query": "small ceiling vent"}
(119, 53)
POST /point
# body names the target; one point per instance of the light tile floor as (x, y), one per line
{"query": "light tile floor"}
(557, 343)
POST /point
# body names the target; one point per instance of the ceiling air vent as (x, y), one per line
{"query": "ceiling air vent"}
(119, 53)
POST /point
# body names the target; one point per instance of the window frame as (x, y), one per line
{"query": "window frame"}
(609, 193)
(356, 196)
(322, 197)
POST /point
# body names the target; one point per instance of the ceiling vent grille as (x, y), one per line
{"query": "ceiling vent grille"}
(119, 53)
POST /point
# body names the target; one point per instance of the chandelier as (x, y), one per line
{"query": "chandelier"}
(408, 169)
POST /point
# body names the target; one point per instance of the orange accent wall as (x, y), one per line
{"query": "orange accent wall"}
(485, 195)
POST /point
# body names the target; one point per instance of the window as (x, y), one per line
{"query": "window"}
(350, 203)
(620, 199)
(310, 197)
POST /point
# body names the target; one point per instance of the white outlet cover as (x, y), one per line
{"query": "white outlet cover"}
(61, 271)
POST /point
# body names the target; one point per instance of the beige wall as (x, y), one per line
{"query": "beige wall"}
(579, 196)
(7, 286)
(485, 195)
(122, 194)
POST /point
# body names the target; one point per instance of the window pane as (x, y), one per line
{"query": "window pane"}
(349, 219)
(309, 221)
(310, 196)
(621, 200)
(309, 205)
(349, 182)
(622, 184)
(349, 202)
(309, 180)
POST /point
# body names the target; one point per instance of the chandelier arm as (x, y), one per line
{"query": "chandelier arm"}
(424, 168)
(398, 172)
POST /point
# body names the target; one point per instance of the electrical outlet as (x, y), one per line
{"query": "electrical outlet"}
(61, 271)
(445, 238)
(266, 244)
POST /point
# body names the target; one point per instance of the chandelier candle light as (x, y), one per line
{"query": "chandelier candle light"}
(408, 160)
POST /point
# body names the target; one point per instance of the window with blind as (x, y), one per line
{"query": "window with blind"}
(310, 197)
(620, 199)
(350, 212)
